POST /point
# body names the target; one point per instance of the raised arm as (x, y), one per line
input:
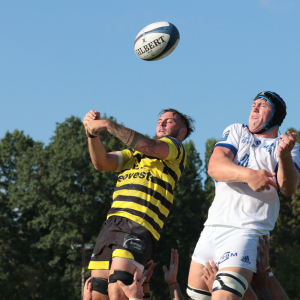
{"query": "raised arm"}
(171, 276)
(287, 176)
(100, 158)
(222, 168)
(130, 137)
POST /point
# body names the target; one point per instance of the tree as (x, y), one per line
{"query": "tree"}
(61, 200)
(285, 242)
(184, 224)
(12, 256)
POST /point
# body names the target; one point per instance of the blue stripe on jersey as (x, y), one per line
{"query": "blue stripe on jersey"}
(228, 146)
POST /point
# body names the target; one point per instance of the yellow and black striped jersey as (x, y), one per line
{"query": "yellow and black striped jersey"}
(144, 190)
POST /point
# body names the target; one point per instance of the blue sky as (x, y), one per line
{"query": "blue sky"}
(63, 58)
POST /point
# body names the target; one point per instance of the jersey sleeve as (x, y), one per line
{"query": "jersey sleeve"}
(296, 158)
(124, 156)
(231, 138)
(175, 148)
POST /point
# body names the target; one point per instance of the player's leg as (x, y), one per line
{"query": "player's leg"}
(204, 251)
(100, 284)
(122, 269)
(231, 283)
(100, 264)
(236, 252)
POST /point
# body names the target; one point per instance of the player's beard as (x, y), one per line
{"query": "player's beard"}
(173, 134)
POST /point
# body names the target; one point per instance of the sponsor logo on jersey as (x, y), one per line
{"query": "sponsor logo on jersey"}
(226, 256)
(133, 243)
(245, 140)
(246, 259)
(224, 136)
(244, 161)
(135, 175)
(270, 148)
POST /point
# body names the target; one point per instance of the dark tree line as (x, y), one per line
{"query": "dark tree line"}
(52, 197)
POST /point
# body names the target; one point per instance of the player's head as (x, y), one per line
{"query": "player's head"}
(175, 124)
(268, 111)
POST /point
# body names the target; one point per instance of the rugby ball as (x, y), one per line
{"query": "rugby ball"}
(156, 41)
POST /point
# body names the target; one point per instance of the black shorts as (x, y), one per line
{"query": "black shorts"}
(121, 237)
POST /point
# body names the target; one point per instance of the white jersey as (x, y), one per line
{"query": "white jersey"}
(235, 203)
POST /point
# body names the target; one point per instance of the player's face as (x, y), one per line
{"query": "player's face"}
(169, 124)
(261, 112)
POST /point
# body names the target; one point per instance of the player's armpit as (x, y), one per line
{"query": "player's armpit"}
(110, 163)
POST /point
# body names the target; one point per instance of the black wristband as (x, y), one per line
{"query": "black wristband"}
(146, 282)
(92, 136)
(147, 295)
(173, 283)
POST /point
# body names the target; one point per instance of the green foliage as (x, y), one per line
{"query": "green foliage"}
(285, 242)
(209, 183)
(184, 224)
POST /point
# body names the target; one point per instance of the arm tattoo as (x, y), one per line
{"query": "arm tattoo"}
(132, 138)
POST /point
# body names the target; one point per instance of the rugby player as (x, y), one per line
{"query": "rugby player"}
(250, 166)
(149, 170)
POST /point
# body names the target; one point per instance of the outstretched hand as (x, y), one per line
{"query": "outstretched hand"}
(286, 144)
(135, 290)
(171, 274)
(209, 274)
(87, 290)
(148, 273)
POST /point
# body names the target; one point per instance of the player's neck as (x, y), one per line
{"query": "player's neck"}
(272, 134)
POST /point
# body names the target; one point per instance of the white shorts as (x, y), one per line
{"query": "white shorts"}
(228, 247)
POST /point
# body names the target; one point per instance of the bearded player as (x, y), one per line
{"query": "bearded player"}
(143, 196)
(250, 166)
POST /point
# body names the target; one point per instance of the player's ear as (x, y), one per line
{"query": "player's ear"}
(183, 132)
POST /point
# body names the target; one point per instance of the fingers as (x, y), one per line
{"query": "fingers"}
(142, 280)
(272, 183)
(121, 284)
(88, 283)
(165, 269)
(135, 275)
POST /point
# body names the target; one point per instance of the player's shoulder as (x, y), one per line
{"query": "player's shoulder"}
(234, 129)
(173, 140)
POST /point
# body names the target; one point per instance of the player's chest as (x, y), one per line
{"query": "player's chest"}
(257, 153)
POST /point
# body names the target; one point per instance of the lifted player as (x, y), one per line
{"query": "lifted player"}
(250, 165)
(143, 196)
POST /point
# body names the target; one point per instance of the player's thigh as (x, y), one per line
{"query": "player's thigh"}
(231, 282)
(123, 268)
(195, 280)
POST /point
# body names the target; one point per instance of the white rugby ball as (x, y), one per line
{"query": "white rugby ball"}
(156, 41)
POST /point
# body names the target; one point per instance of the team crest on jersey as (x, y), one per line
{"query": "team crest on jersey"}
(224, 136)
(256, 144)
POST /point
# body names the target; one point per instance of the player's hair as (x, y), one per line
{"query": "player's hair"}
(186, 120)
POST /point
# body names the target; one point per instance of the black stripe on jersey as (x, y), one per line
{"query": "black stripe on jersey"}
(177, 143)
(146, 190)
(170, 172)
(131, 150)
(142, 202)
(139, 214)
(167, 186)
(181, 165)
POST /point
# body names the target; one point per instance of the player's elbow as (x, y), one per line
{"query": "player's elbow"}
(288, 192)
(211, 170)
(98, 166)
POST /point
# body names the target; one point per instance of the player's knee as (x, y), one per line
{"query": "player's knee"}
(125, 277)
(231, 282)
(197, 294)
(100, 285)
